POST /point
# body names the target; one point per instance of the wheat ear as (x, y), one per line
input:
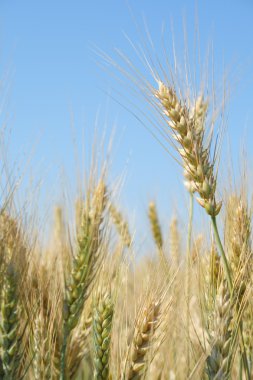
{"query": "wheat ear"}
(121, 225)
(86, 264)
(10, 324)
(137, 355)
(42, 351)
(102, 325)
(219, 361)
(155, 225)
(79, 344)
(188, 131)
(189, 135)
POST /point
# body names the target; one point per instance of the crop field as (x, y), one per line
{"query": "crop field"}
(83, 303)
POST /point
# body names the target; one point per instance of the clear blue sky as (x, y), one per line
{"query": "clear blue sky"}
(49, 67)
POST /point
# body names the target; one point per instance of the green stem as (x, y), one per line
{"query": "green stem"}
(240, 369)
(222, 253)
(189, 234)
(230, 285)
(189, 238)
(63, 354)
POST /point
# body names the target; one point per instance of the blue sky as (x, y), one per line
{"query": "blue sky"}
(56, 88)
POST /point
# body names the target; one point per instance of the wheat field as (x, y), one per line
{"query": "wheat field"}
(83, 306)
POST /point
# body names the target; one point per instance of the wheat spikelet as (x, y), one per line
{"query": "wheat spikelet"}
(238, 231)
(12, 241)
(219, 361)
(10, 232)
(102, 325)
(188, 131)
(121, 225)
(42, 351)
(45, 340)
(155, 225)
(79, 345)
(15, 292)
(196, 249)
(137, 356)
(214, 270)
(198, 113)
(157, 234)
(86, 262)
(157, 367)
(248, 332)
(10, 324)
(238, 223)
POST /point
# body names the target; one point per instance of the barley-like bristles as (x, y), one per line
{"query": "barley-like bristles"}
(102, 325)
